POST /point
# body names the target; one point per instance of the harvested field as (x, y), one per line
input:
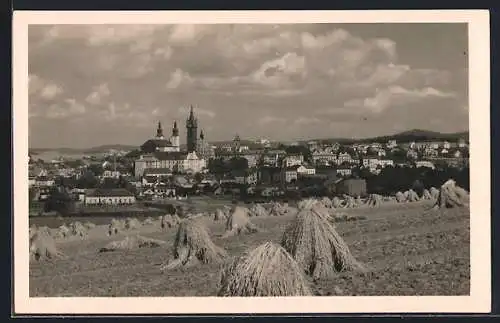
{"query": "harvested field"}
(409, 249)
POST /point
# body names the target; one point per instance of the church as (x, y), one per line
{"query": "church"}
(165, 154)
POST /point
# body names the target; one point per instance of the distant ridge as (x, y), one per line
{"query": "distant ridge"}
(405, 137)
(402, 137)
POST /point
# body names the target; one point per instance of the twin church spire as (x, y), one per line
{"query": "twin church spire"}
(191, 129)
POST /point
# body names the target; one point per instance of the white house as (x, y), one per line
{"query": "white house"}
(306, 170)
(117, 196)
(293, 160)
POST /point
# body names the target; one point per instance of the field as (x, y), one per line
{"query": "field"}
(409, 251)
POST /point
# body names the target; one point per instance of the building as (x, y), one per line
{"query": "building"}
(324, 157)
(181, 162)
(289, 174)
(162, 153)
(305, 170)
(160, 143)
(424, 163)
(111, 174)
(191, 131)
(293, 160)
(115, 196)
(203, 149)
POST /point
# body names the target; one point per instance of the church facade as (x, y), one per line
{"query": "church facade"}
(160, 152)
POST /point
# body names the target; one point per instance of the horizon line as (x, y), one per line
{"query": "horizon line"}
(271, 140)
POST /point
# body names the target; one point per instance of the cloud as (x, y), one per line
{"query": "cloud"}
(305, 121)
(279, 72)
(198, 111)
(320, 78)
(266, 120)
(99, 93)
(179, 78)
(68, 108)
(39, 88)
(187, 33)
(395, 95)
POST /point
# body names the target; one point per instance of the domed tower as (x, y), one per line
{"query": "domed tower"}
(192, 131)
(175, 140)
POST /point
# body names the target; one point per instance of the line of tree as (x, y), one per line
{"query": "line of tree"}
(394, 179)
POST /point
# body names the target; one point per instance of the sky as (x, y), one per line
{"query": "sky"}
(91, 85)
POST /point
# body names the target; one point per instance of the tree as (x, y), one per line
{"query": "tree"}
(198, 177)
(217, 166)
(238, 163)
(59, 201)
(96, 169)
(87, 180)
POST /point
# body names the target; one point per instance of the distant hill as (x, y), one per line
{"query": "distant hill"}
(92, 150)
(404, 137)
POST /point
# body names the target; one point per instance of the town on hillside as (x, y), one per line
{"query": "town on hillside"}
(161, 170)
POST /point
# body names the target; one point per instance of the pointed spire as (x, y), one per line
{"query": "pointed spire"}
(175, 130)
(159, 131)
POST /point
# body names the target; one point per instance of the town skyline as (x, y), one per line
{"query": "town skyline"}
(282, 82)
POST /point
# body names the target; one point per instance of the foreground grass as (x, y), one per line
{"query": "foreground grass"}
(408, 252)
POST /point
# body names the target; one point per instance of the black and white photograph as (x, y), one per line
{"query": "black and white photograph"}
(202, 158)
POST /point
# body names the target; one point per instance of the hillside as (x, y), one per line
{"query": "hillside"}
(405, 137)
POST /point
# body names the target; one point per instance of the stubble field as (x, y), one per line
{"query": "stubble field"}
(408, 250)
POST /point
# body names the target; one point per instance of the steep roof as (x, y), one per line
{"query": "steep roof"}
(157, 171)
(109, 192)
(158, 142)
(170, 155)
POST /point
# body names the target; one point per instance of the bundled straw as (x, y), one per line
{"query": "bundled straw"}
(132, 224)
(116, 226)
(400, 197)
(258, 210)
(349, 202)
(426, 195)
(148, 221)
(193, 246)
(434, 193)
(374, 200)
(411, 196)
(451, 195)
(267, 270)
(220, 215)
(169, 221)
(43, 247)
(336, 202)
(63, 232)
(78, 229)
(239, 222)
(89, 225)
(132, 242)
(327, 202)
(313, 242)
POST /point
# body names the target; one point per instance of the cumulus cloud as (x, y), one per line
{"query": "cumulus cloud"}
(67, 108)
(98, 94)
(39, 88)
(284, 74)
(396, 95)
(179, 78)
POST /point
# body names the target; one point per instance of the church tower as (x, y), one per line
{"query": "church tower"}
(175, 140)
(159, 131)
(192, 131)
